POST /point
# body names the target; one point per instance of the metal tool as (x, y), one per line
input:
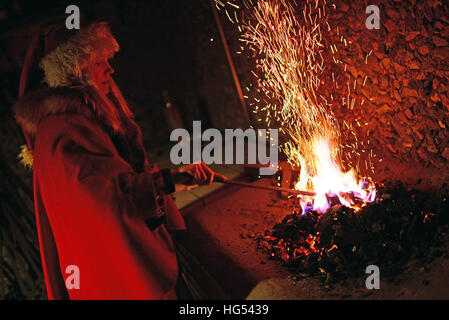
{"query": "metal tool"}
(273, 188)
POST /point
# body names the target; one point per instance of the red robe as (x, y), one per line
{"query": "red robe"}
(93, 192)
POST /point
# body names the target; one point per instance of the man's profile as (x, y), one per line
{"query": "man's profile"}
(100, 205)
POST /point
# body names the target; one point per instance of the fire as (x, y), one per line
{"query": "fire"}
(288, 44)
(330, 181)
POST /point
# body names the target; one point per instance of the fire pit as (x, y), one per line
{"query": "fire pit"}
(248, 240)
(400, 226)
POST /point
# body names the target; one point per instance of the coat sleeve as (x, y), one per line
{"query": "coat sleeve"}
(87, 152)
(96, 205)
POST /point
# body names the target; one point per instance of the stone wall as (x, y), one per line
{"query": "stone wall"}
(406, 65)
(397, 82)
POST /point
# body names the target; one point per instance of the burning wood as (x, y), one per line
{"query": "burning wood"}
(401, 225)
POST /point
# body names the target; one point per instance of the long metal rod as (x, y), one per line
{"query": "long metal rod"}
(273, 188)
(231, 63)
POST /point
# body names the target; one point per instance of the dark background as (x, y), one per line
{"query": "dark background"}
(164, 46)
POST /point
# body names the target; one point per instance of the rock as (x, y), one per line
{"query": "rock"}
(445, 31)
(422, 154)
(399, 68)
(445, 154)
(391, 26)
(384, 83)
(384, 109)
(445, 101)
(441, 53)
(399, 126)
(379, 55)
(417, 133)
(407, 142)
(396, 84)
(435, 84)
(421, 75)
(431, 148)
(408, 114)
(386, 62)
(411, 35)
(443, 88)
(406, 92)
(440, 73)
(434, 3)
(412, 100)
(424, 50)
(424, 32)
(431, 125)
(390, 147)
(366, 93)
(354, 71)
(435, 97)
(439, 25)
(393, 14)
(405, 82)
(439, 42)
(414, 65)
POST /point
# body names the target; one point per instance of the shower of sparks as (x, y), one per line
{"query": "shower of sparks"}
(289, 48)
(291, 63)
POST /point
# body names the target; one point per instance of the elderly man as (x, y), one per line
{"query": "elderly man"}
(103, 212)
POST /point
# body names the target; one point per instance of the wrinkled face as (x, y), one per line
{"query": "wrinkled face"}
(100, 72)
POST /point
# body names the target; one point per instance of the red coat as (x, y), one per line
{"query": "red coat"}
(93, 193)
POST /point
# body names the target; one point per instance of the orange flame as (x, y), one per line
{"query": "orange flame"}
(330, 181)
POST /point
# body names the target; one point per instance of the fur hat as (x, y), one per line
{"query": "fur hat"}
(63, 66)
(66, 55)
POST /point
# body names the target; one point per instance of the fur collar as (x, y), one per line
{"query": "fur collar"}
(30, 110)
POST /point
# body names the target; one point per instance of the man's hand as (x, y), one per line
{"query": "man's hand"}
(196, 174)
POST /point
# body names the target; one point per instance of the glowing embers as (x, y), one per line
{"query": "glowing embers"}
(331, 184)
(401, 229)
